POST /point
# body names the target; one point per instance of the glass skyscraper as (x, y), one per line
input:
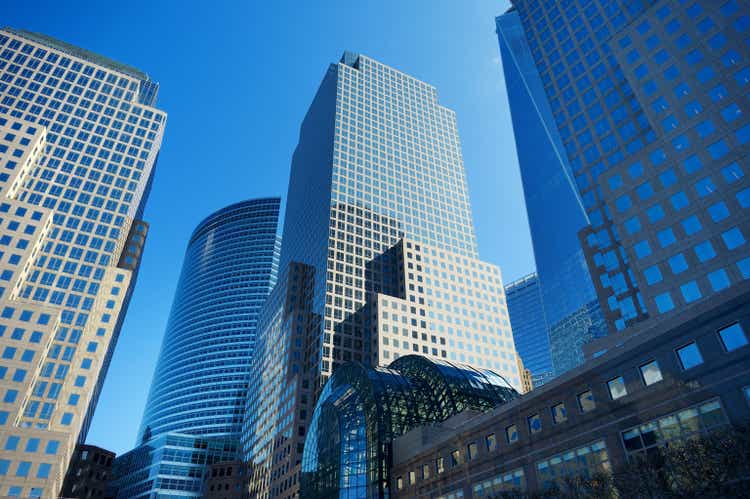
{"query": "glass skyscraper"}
(530, 330)
(79, 140)
(650, 102)
(378, 236)
(198, 392)
(553, 205)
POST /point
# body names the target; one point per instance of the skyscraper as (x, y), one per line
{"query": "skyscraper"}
(379, 258)
(79, 139)
(530, 330)
(198, 392)
(553, 205)
(650, 101)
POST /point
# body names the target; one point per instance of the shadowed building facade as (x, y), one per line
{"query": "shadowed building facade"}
(650, 103)
(556, 214)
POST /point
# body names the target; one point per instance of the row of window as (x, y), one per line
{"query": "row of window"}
(732, 337)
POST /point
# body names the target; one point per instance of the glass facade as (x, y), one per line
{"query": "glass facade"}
(361, 410)
(650, 99)
(169, 466)
(530, 331)
(378, 215)
(553, 204)
(200, 382)
(79, 140)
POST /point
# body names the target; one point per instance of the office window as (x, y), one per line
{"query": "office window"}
(535, 423)
(559, 413)
(511, 434)
(650, 373)
(733, 238)
(399, 483)
(412, 477)
(472, 451)
(425, 471)
(664, 302)
(690, 291)
(586, 401)
(440, 465)
(733, 337)
(617, 388)
(719, 280)
(491, 442)
(652, 274)
(689, 355)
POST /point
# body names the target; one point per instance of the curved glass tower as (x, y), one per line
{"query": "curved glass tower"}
(229, 269)
(198, 391)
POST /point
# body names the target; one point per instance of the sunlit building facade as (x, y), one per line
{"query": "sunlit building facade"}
(200, 382)
(379, 224)
(79, 140)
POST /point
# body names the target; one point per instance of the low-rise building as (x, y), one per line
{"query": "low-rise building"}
(681, 377)
(226, 480)
(89, 472)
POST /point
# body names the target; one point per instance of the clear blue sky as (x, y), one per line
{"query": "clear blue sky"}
(236, 79)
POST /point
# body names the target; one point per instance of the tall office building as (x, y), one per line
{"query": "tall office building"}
(194, 411)
(379, 258)
(553, 205)
(79, 139)
(650, 101)
(530, 330)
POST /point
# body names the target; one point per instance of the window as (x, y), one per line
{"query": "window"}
(664, 302)
(412, 477)
(650, 373)
(535, 423)
(472, 451)
(559, 413)
(23, 468)
(586, 401)
(399, 483)
(511, 434)
(690, 291)
(617, 388)
(440, 465)
(689, 355)
(491, 442)
(733, 337)
(425, 471)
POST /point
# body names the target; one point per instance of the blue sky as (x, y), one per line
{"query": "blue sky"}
(236, 79)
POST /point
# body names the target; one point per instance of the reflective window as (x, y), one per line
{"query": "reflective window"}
(535, 423)
(689, 355)
(617, 388)
(559, 413)
(491, 442)
(511, 434)
(733, 337)
(586, 401)
(650, 373)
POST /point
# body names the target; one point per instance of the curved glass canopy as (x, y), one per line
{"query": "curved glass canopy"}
(360, 411)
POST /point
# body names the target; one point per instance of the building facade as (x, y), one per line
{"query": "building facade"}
(89, 473)
(681, 378)
(226, 480)
(378, 222)
(79, 140)
(530, 331)
(362, 410)
(200, 381)
(555, 211)
(650, 101)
